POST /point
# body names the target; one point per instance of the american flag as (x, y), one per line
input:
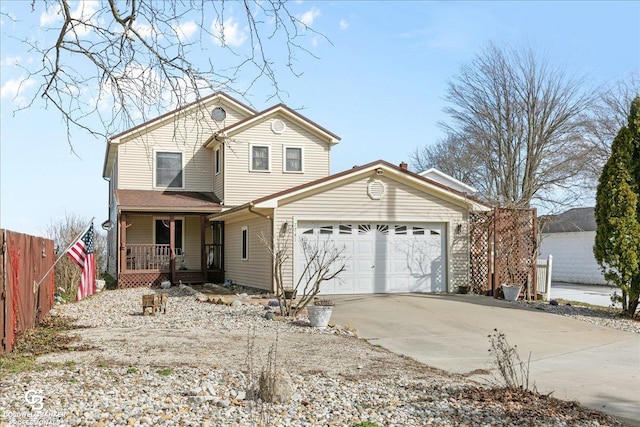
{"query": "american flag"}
(82, 254)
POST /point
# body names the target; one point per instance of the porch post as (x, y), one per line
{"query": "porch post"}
(172, 247)
(123, 242)
(203, 255)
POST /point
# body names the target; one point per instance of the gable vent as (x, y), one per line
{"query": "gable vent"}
(278, 126)
(376, 189)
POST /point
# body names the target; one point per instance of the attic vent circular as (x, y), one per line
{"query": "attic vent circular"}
(376, 189)
(278, 126)
(218, 114)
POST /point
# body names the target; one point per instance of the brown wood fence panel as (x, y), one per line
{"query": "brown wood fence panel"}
(24, 262)
(481, 227)
(503, 250)
(515, 248)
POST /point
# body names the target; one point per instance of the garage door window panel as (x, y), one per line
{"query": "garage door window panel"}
(364, 228)
(346, 229)
(400, 230)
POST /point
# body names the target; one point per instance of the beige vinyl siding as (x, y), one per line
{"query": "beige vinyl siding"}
(185, 135)
(191, 244)
(256, 270)
(242, 186)
(401, 202)
(140, 231)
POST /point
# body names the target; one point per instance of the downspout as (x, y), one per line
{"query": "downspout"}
(267, 217)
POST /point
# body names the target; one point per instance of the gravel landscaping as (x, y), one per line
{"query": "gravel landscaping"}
(199, 365)
(607, 318)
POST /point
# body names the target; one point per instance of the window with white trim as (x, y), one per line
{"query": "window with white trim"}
(245, 243)
(217, 161)
(168, 170)
(293, 158)
(260, 160)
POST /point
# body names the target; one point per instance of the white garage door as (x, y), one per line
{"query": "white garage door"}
(380, 257)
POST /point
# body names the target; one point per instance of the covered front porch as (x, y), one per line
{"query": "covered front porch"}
(155, 247)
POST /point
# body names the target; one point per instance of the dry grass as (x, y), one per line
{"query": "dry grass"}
(48, 336)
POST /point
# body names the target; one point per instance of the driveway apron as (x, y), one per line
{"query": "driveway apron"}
(576, 360)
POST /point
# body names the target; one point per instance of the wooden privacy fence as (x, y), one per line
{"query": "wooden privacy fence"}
(503, 245)
(24, 261)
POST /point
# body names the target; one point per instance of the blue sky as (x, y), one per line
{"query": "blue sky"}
(379, 85)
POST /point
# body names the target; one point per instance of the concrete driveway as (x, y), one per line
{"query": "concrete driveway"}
(576, 360)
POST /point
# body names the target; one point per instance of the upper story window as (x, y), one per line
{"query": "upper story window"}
(293, 159)
(260, 158)
(217, 160)
(169, 170)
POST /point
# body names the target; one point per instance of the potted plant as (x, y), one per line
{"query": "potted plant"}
(290, 293)
(511, 290)
(320, 313)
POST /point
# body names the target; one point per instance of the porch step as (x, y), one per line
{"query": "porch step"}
(190, 277)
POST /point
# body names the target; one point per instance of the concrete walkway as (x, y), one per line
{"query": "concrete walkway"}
(597, 366)
(591, 294)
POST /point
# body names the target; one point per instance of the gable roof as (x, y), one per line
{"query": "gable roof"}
(380, 166)
(142, 128)
(279, 109)
(572, 221)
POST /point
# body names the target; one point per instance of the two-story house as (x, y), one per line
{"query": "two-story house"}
(200, 193)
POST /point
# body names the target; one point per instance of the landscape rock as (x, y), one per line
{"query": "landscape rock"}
(330, 377)
(276, 386)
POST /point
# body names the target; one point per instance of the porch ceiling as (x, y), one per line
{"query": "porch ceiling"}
(167, 201)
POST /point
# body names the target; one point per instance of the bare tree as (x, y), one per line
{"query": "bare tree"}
(323, 261)
(63, 233)
(519, 120)
(604, 120)
(126, 61)
(451, 156)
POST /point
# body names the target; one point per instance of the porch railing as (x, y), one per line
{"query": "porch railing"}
(149, 257)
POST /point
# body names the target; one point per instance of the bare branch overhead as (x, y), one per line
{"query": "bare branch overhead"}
(127, 61)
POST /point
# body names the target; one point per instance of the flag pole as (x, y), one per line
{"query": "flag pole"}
(73, 242)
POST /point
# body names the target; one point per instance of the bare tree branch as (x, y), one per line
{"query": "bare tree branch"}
(514, 128)
(127, 61)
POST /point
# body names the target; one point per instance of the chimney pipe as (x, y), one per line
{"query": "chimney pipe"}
(404, 166)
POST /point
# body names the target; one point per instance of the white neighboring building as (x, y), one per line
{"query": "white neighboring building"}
(444, 179)
(570, 237)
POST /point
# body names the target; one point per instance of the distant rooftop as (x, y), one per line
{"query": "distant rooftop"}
(571, 221)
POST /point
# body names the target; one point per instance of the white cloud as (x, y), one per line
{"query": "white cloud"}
(309, 16)
(85, 12)
(145, 31)
(50, 15)
(13, 88)
(344, 24)
(228, 34)
(9, 61)
(314, 42)
(185, 30)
